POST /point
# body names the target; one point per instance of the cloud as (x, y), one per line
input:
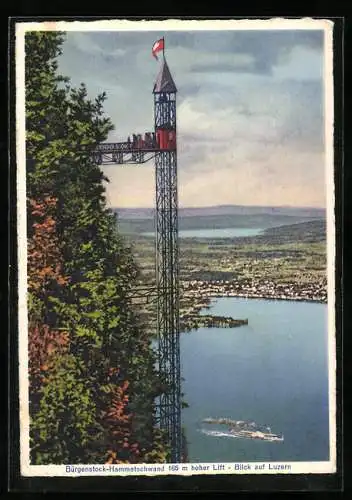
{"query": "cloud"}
(131, 185)
(93, 44)
(250, 111)
(265, 182)
(281, 177)
(249, 51)
(260, 50)
(250, 67)
(289, 112)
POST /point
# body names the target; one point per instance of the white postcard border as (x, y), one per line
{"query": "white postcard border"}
(171, 25)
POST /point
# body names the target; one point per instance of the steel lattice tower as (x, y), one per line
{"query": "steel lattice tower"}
(167, 260)
(166, 293)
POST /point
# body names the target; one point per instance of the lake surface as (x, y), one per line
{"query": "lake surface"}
(273, 371)
(230, 232)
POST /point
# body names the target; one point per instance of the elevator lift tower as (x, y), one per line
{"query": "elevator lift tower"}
(161, 145)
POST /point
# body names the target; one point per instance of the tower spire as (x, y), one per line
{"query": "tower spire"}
(164, 81)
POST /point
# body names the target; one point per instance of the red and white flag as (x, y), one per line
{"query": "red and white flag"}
(157, 47)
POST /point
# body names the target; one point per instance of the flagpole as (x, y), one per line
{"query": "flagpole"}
(164, 48)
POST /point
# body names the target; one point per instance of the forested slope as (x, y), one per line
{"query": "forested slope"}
(92, 376)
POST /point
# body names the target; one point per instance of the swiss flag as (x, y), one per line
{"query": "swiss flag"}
(157, 47)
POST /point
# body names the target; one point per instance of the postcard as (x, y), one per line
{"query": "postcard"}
(176, 247)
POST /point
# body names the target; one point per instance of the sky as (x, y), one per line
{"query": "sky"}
(250, 114)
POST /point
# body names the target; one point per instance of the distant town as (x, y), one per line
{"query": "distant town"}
(265, 289)
(287, 261)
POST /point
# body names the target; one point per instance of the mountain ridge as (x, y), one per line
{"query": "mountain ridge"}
(146, 213)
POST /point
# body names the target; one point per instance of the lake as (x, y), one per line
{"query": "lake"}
(273, 371)
(231, 232)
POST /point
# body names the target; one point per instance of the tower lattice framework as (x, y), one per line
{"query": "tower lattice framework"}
(166, 292)
(167, 270)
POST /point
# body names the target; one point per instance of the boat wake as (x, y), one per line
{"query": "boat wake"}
(244, 434)
(246, 429)
(217, 433)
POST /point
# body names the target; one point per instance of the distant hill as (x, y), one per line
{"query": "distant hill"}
(312, 229)
(148, 213)
(131, 221)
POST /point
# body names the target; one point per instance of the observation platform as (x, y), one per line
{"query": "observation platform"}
(139, 151)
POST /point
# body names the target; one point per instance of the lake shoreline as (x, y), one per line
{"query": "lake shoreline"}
(268, 297)
(199, 295)
(262, 289)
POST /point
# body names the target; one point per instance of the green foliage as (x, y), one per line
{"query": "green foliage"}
(77, 410)
(62, 427)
